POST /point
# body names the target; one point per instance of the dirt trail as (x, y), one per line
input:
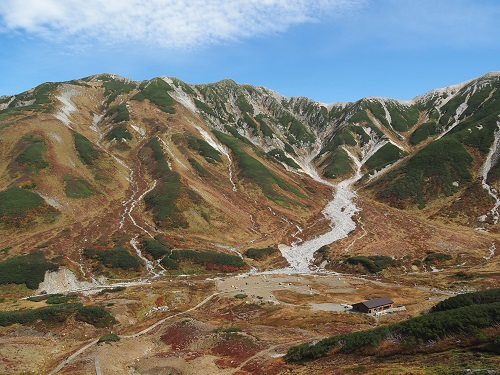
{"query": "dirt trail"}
(73, 356)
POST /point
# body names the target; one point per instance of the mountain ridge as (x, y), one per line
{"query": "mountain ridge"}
(224, 145)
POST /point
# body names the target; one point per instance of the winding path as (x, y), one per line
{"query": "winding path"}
(144, 331)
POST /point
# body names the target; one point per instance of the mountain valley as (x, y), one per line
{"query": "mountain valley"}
(165, 227)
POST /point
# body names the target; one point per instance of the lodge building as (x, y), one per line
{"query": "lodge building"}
(374, 305)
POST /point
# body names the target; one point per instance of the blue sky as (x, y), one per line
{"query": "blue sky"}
(327, 50)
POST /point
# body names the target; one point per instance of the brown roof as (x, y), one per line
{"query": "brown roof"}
(376, 302)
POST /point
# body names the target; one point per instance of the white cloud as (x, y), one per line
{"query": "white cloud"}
(171, 23)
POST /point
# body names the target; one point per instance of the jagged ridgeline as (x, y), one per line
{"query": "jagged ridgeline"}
(225, 155)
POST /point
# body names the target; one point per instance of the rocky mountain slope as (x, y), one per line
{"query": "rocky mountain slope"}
(99, 172)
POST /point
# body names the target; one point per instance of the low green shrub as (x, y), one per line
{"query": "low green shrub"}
(372, 264)
(32, 158)
(202, 171)
(114, 87)
(204, 148)
(77, 187)
(156, 91)
(170, 264)
(204, 107)
(403, 118)
(243, 104)
(117, 257)
(423, 132)
(26, 269)
(436, 258)
(421, 180)
(154, 248)
(387, 154)
(160, 166)
(337, 164)
(98, 316)
(95, 315)
(264, 127)
(259, 253)
(119, 113)
(56, 314)
(279, 155)
(211, 260)
(109, 337)
(19, 206)
(468, 299)
(164, 200)
(86, 150)
(342, 137)
(57, 299)
(297, 132)
(119, 132)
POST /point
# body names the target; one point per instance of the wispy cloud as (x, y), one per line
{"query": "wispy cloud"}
(169, 23)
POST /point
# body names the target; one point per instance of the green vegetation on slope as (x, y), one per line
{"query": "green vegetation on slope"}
(155, 248)
(86, 150)
(202, 171)
(297, 132)
(204, 107)
(119, 113)
(259, 253)
(19, 207)
(439, 169)
(160, 166)
(342, 137)
(156, 91)
(37, 99)
(254, 171)
(32, 157)
(338, 164)
(26, 269)
(423, 132)
(459, 316)
(77, 187)
(403, 117)
(170, 197)
(468, 299)
(387, 154)
(95, 315)
(167, 201)
(116, 257)
(203, 147)
(264, 127)
(372, 263)
(114, 87)
(119, 133)
(211, 260)
(279, 156)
